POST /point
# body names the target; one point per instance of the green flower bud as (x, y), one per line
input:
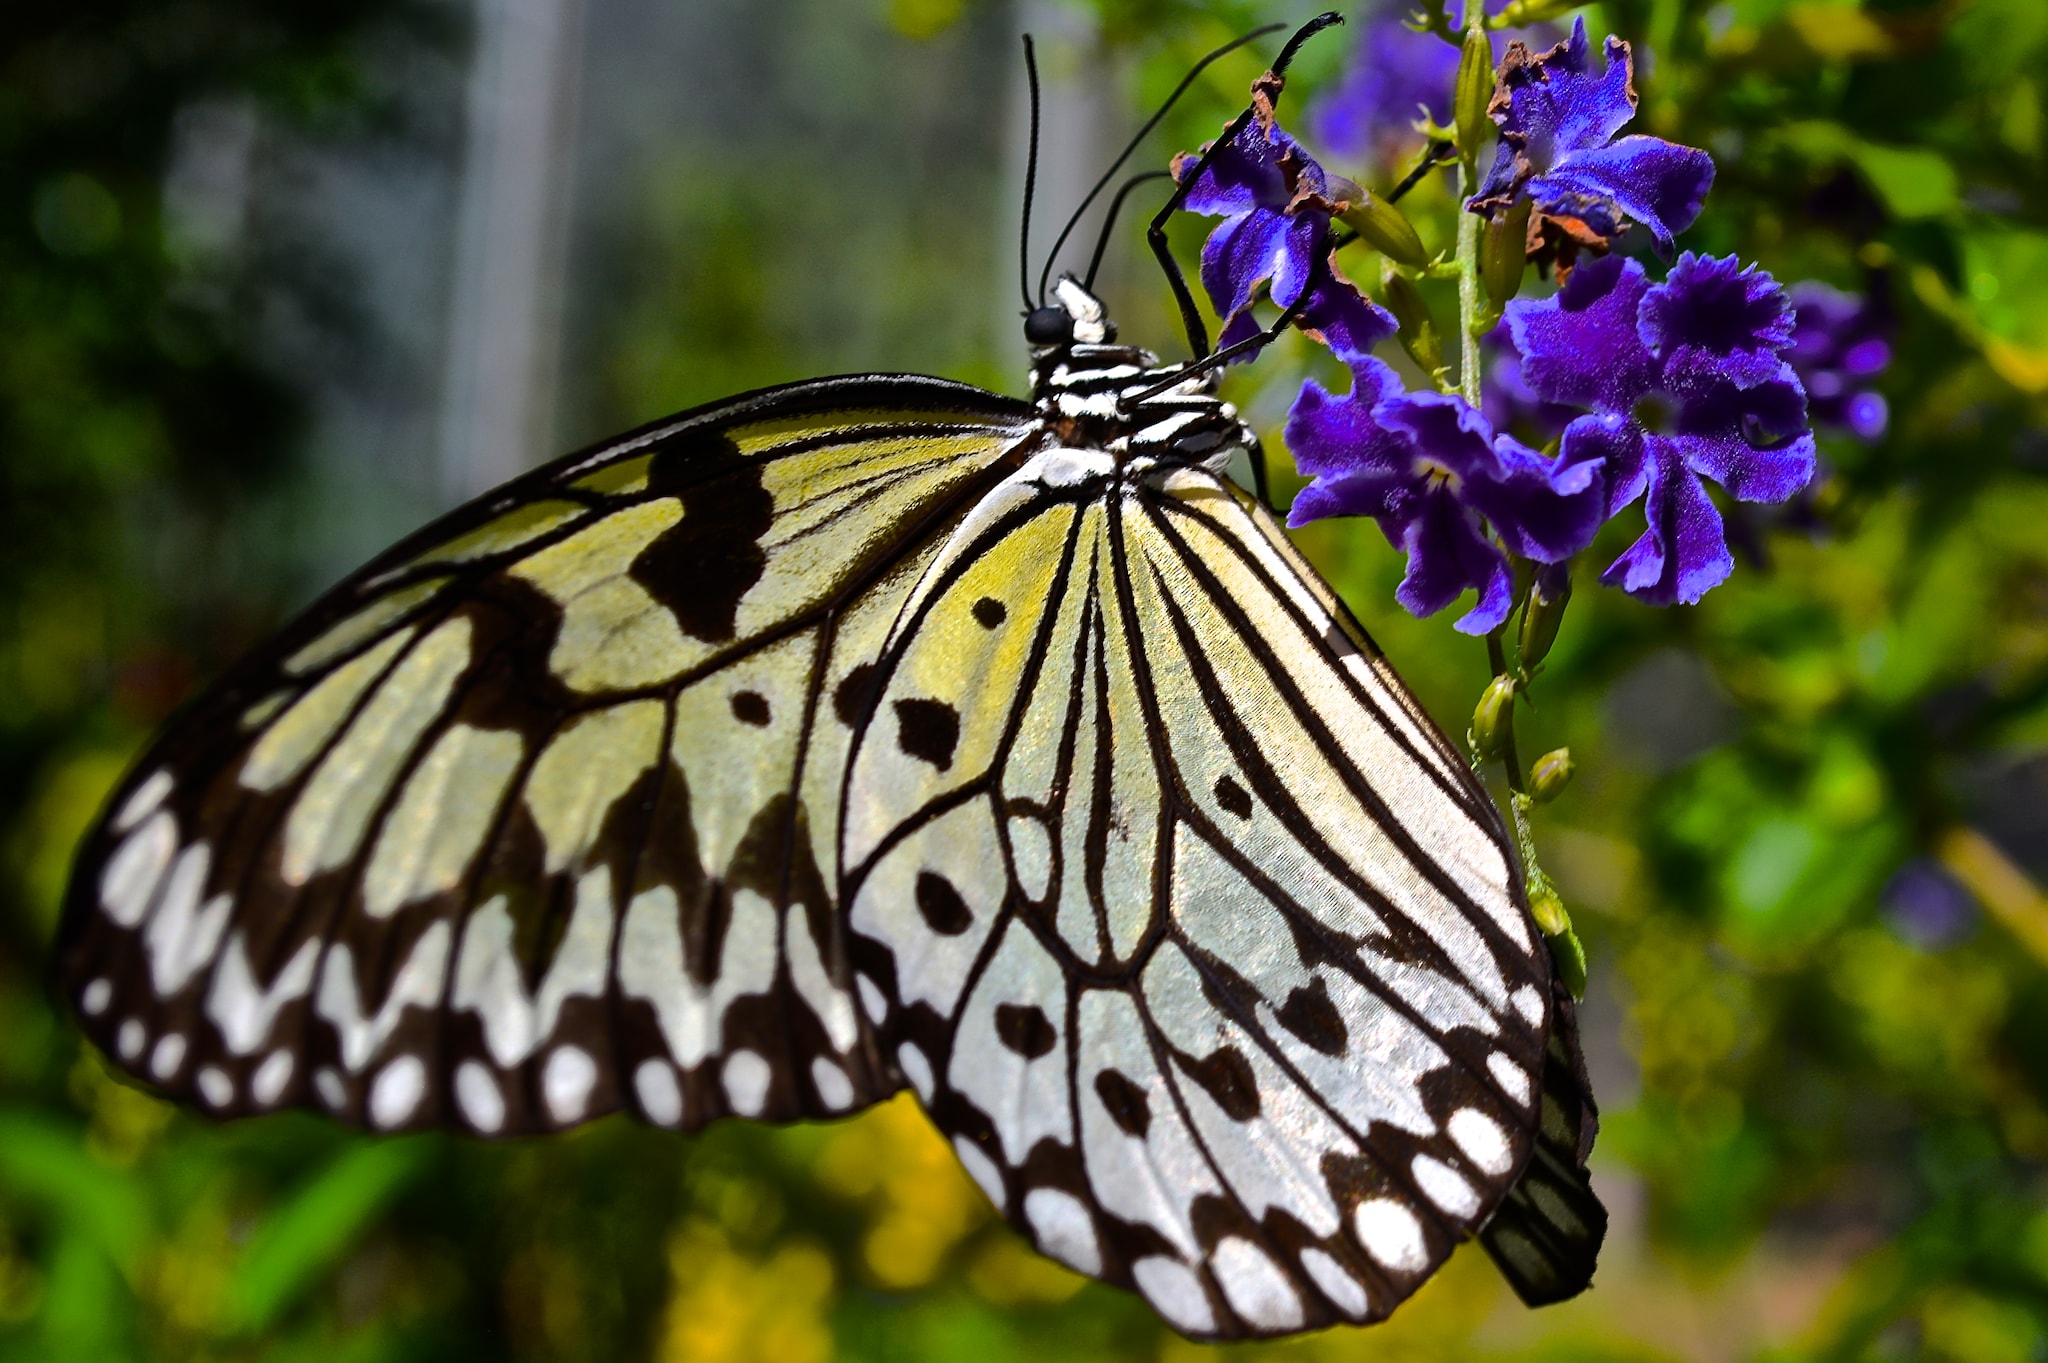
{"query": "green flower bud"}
(1386, 229)
(1473, 92)
(1533, 12)
(1543, 613)
(1495, 712)
(1550, 775)
(1568, 955)
(1419, 336)
(1503, 251)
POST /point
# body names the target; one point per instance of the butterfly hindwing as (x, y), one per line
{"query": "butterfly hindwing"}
(1195, 937)
(535, 817)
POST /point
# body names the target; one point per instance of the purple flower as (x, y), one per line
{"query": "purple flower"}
(1396, 74)
(1276, 204)
(1558, 147)
(1432, 472)
(1686, 380)
(1840, 344)
(1507, 399)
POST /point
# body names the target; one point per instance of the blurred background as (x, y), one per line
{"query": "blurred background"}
(279, 282)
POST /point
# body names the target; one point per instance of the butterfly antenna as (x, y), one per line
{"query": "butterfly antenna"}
(1116, 206)
(1030, 184)
(1132, 146)
(1155, 234)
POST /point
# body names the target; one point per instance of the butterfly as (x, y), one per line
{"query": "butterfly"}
(869, 733)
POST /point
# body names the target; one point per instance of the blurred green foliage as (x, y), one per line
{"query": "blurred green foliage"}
(1826, 1102)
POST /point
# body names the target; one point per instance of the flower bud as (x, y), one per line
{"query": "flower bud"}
(1386, 229)
(1568, 955)
(1548, 596)
(1418, 333)
(1523, 12)
(1550, 775)
(1473, 92)
(1503, 251)
(1493, 716)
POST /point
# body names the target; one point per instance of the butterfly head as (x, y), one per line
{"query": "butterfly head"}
(1095, 394)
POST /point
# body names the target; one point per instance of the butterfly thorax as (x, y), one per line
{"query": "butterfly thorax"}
(1094, 394)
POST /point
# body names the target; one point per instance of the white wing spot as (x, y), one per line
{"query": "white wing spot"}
(566, 1082)
(1256, 1288)
(267, 1085)
(396, 1092)
(96, 997)
(129, 882)
(982, 1170)
(1391, 1234)
(168, 1056)
(814, 983)
(1064, 1228)
(1343, 1290)
(1512, 1078)
(1444, 1186)
(144, 801)
(215, 1086)
(660, 1097)
(333, 1091)
(476, 1093)
(1175, 1293)
(835, 1090)
(873, 1000)
(916, 1069)
(1482, 1140)
(243, 1010)
(1529, 1003)
(417, 983)
(746, 1077)
(182, 933)
(491, 982)
(128, 1041)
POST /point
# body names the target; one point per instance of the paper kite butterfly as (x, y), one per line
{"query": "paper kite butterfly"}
(867, 733)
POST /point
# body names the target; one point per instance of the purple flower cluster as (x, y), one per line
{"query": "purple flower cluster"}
(1276, 203)
(1685, 382)
(1560, 147)
(1657, 388)
(1840, 344)
(1432, 472)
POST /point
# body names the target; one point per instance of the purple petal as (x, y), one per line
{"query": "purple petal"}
(1714, 321)
(1243, 175)
(1300, 250)
(1615, 442)
(1866, 415)
(1752, 441)
(1239, 255)
(1558, 106)
(1444, 430)
(1344, 319)
(1241, 327)
(1542, 509)
(1660, 184)
(1446, 554)
(1337, 437)
(1684, 552)
(1581, 346)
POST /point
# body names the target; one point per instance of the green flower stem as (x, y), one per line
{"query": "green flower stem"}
(1468, 287)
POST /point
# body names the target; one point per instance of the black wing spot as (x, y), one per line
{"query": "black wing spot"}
(990, 612)
(928, 730)
(850, 699)
(1128, 1106)
(750, 707)
(944, 910)
(1227, 1077)
(704, 565)
(1233, 796)
(1025, 1029)
(1311, 1015)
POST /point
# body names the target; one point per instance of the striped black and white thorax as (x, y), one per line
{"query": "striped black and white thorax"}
(1094, 394)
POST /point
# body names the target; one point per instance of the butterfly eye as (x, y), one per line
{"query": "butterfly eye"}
(1048, 326)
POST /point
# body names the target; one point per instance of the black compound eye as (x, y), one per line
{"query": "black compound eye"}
(1048, 326)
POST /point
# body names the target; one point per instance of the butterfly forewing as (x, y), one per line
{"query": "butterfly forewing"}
(1200, 942)
(535, 816)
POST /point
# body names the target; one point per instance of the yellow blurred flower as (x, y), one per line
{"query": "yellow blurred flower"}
(923, 1203)
(729, 1308)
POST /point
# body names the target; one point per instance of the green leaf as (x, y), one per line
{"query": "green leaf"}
(315, 1227)
(44, 1162)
